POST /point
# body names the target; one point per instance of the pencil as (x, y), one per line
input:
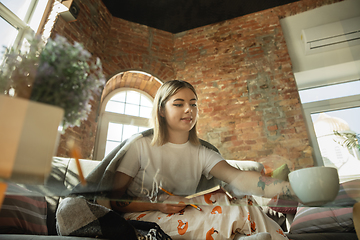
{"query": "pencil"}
(193, 205)
(75, 153)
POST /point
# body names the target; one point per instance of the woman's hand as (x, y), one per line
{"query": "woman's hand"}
(253, 183)
(170, 208)
(171, 204)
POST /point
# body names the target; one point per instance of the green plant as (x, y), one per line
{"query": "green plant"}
(349, 140)
(59, 73)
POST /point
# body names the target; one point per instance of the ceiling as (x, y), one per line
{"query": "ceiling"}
(180, 15)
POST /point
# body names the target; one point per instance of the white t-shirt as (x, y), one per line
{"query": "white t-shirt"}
(175, 167)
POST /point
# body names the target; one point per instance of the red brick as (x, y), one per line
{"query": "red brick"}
(272, 128)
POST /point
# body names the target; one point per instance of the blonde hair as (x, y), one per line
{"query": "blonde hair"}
(167, 90)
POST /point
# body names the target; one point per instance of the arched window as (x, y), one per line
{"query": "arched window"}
(124, 112)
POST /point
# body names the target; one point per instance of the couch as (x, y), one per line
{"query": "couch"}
(64, 176)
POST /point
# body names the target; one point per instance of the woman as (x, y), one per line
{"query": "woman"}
(174, 159)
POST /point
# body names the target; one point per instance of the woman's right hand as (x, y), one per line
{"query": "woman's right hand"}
(172, 204)
(170, 208)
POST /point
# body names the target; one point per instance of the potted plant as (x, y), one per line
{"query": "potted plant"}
(349, 139)
(40, 89)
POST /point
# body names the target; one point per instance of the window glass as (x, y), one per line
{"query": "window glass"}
(144, 101)
(145, 112)
(133, 97)
(141, 129)
(115, 132)
(120, 97)
(114, 136)
(25, 45)
(19, 7)
(37, 15)
(130, 103)
(8, 38)
(129, 130)
(131, 109)
(330, 92)
(350, 116)
(333, 151)
(110, 145)
(116, 107)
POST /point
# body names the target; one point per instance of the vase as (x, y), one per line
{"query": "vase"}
(29, 137)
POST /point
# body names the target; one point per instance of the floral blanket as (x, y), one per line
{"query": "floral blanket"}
(218, 219)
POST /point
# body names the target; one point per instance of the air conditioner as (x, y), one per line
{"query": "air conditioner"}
(331, 36)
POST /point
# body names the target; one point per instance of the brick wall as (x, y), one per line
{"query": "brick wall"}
(249, 104)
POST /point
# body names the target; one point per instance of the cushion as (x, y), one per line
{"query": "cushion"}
(23, 212)
(332, 217)
(246, 165)
(283, 206)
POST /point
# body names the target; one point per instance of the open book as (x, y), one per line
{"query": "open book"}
(215, 189)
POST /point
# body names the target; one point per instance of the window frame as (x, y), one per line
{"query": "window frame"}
(106, 117)
(321, 106)
(24, 30)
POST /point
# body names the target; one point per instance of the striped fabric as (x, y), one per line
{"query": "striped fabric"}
(332, 217)
(23, 213)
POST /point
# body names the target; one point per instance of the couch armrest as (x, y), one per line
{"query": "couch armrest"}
(72, 174)
(246, 165)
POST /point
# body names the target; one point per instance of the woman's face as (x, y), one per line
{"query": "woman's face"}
(181, 111)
